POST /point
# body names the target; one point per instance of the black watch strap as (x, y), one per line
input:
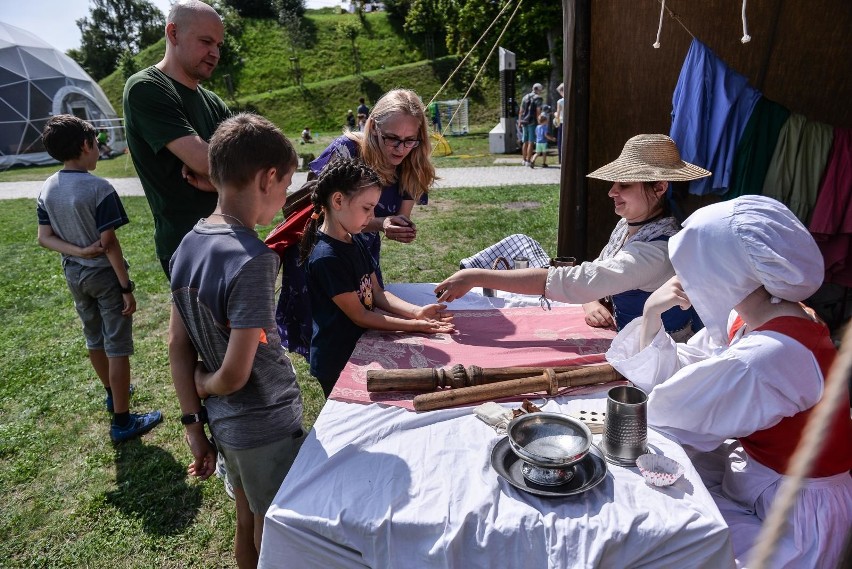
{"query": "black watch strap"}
(131, 286)
(192, 418)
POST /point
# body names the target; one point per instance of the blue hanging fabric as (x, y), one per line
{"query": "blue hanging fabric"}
(710, 108)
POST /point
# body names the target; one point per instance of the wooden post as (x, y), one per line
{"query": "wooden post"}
(573, 188)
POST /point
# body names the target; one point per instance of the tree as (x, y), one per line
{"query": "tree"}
(113, 28)
(351, 29)
(254, 8)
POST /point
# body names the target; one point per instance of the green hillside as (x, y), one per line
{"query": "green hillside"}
(264, 82)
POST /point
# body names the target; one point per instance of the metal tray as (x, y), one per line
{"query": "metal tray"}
(588, 472)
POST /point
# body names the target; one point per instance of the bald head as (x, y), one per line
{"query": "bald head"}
(194, 36)
(185, 11)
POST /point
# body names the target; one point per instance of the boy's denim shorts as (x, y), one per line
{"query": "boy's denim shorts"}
(97, 298)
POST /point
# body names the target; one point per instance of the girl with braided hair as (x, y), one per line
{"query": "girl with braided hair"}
(341, 274)
(395, 144)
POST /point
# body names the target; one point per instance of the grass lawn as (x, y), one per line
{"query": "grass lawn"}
(72, 498)
(467, 150)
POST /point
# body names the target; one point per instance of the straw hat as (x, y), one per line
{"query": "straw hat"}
(649, 158)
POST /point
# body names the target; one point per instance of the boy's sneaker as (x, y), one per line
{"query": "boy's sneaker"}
(108, 400)
(545, 166)
(139, 425)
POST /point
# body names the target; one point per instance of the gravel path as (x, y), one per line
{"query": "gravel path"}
(449, 178)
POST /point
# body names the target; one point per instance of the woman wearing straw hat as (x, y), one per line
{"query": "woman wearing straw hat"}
(743, 388)
(635, 261)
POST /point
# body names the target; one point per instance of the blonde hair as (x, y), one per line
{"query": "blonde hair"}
(416, 173)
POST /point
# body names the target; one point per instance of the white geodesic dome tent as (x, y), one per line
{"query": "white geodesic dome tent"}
(38, 81)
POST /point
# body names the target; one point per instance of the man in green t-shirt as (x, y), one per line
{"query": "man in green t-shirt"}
(169, 118)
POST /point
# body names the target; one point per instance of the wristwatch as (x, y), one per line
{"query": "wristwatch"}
(192, 418)
(131, 286)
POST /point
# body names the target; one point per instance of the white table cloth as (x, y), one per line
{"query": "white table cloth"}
(384, 487)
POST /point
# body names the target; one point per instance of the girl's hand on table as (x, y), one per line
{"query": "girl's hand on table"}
(598, 316)
(430, 326)
(399, 228)
(433, 312)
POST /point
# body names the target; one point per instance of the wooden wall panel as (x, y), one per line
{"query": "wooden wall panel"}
(800, 55)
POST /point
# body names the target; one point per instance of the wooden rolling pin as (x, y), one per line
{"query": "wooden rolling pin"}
(549, 381)
(430, 379)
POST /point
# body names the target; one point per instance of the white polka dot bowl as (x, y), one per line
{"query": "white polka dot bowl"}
(659, 470)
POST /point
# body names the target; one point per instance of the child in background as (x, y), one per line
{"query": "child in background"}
(342, 283)
(78, 214)
(306, 136)
(541, 138)
(362, 122)
(223, 312)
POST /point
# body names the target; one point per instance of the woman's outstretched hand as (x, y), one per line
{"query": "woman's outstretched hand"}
(399, 228)
(455, 286)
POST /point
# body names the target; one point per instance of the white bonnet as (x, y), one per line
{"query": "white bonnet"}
(729, 249)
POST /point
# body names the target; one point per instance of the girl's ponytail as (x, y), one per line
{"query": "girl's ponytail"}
(309, 237)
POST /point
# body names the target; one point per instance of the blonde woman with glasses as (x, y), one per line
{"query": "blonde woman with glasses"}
(395, 144)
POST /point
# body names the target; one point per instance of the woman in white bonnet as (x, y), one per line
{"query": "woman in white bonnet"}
(740, 392)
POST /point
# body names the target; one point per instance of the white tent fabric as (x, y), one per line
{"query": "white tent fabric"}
(36, 82)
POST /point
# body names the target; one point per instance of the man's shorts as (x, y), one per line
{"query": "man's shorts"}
(540, 147)
(529, 132)
(260, 471)
(97, 298)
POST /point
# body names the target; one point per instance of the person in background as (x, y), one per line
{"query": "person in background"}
(739, 393)
(528, 114)
(223, 346)
(342, 282)
(559, 119)
(433, 110)
(541, 138)
(104, 148)
(362, 122)
(363, 109)
(306, 137)
(395, 144)
(78, 214)
(350, 120)
(635, 261)
(169, 117)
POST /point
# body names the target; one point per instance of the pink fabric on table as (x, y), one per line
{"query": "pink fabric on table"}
(487, 338)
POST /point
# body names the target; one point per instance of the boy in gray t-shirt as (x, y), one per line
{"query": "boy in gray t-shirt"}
(78, 214)
(223, 313)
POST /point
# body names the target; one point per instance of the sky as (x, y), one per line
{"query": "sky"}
(54, 21)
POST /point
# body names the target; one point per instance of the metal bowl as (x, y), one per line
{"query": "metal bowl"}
(549, 440)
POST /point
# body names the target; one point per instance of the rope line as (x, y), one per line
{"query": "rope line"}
(675, 17)
(746, 38)
(482, 67)
(471, 50)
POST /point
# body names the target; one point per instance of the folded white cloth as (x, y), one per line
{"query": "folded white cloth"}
(495, 415)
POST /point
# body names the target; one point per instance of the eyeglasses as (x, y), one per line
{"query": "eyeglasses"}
(395, 142)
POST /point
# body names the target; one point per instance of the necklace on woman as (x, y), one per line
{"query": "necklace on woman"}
(644, 221)
(234, 217)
